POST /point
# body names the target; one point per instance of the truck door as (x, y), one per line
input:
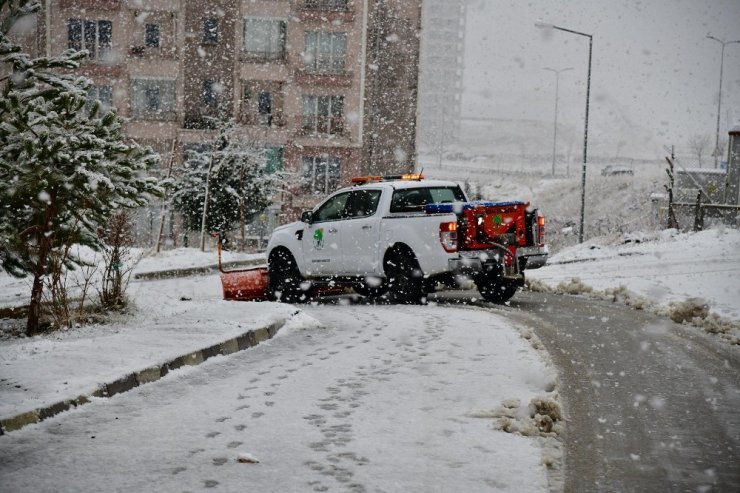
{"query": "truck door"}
(361, 233)
(322, 238)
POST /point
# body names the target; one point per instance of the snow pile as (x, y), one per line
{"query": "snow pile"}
(543, 416)
(247, 458)
(687, 311)
(690, 278)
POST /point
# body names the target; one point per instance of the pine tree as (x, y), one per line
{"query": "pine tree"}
(240, 183)
(67, 168)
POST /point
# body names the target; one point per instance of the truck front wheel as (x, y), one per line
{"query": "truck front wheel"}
(285, 280)
(494, 288)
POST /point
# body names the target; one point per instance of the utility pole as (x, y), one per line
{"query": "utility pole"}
(717, 150)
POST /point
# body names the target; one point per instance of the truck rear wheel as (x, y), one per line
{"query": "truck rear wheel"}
(494, 288)
(405, 280)
(284, 283)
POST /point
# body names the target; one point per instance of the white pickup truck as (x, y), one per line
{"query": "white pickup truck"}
(403, 236)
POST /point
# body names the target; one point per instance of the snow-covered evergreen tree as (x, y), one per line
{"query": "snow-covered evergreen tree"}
(240, 183)
(65, 169)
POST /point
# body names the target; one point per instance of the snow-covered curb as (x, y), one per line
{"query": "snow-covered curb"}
(692, 311)
(153, 373)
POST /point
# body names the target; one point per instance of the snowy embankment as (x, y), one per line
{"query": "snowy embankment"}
(691, 277)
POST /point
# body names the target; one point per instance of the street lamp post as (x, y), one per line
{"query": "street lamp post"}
(555, 124)
(719, 97)
(543, 25)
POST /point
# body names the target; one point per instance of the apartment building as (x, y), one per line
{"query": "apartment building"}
(442, 63)
(328, 86)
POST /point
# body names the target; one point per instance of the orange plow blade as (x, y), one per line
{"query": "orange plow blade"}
(245, 285)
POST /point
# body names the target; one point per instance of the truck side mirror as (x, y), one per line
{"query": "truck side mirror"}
(307, 217)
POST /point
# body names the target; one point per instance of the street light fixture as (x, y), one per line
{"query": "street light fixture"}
(719, 98)
(555, 125)
(544, 25)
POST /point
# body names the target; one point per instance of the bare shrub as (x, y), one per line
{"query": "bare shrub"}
(118, 260)
(63, 308)
(55, 294)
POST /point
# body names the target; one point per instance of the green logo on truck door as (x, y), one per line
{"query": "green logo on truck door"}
(318, 239)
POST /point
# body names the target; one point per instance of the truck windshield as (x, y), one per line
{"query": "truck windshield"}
(414, 199)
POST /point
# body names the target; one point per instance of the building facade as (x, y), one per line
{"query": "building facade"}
(328, 86)
(441, 84)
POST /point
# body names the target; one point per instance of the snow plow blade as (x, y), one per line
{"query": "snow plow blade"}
(245, 285)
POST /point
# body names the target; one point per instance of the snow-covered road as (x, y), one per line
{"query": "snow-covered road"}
(348, 398)
(652, 405)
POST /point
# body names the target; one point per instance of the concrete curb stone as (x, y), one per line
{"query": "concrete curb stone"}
(244, 341)
(190, 271)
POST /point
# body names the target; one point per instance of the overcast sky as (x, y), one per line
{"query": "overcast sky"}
(655, 75)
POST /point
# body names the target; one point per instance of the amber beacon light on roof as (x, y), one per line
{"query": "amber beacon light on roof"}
(361, 180)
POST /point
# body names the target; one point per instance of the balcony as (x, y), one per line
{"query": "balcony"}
(325, 11)
(323, 78)
(91, 4)
(151, 52)
(96, 68)
(153, 115)
(201, 120)
(321, 126)
(262, 120)
(325, 5)
(262, 56)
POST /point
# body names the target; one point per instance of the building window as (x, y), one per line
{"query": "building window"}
(94, 36)
(325, 52)
(320, 174)
(325, 4)
(323, 114)
(153, 98)
(210, 31)
(262, 103)
(264, 38)
(152, 36)
(209, 93)
(103, 94)
(274, 156)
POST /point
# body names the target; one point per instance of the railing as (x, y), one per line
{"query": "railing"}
(200, 120)
(326, 5)
(316, 125)
(263, 56)
(341, 78)
(151, 52)
(159, 115)
(91, 4)
(324, 67)
(262, 119)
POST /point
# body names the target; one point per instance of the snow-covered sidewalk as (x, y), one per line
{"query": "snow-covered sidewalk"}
(176, 320)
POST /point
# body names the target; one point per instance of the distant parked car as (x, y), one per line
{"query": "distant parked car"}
(613, 170)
